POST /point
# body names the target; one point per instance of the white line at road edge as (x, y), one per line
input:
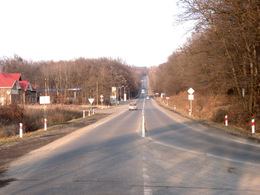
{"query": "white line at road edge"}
(147, 191)
(100, 124)
(205, 154)
(196, 128)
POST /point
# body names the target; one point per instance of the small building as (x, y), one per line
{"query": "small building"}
(13, 90)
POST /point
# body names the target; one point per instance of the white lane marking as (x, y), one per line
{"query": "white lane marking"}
(168, 113)
(204, 153)
(147, 191)
(100, 124)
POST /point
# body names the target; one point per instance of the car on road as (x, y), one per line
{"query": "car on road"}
(133, 106)
(148, 97)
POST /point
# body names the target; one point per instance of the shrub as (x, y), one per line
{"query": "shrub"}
(219, 115)
(32, 118)
(11, 114)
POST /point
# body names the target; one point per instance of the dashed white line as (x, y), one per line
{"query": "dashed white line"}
(147, 191)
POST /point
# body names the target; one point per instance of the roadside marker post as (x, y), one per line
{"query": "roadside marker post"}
(21, 130)
(167, 98)
(190, 112)
(84, 113)
(45, 100)
(190, 97)
(89, 113)
(45, 124)
(226, 120)
(174, 107)
(253, 126)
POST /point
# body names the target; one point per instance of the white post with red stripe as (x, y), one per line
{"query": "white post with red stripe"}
(190, 112)
(253, 126)
(226, 120)
(21, 130)
(45, 124)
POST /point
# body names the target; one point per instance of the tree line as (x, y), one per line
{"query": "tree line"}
(93, 76)
(221, 56)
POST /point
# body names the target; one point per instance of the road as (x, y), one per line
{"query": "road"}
(177, 156)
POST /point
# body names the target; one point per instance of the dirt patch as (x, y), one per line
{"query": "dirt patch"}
(10, 152)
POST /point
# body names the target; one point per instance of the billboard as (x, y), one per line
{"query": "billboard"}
(113, 91)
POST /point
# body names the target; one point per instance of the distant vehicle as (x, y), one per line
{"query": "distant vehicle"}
(148, 97)
(142, 91)
(133, 106)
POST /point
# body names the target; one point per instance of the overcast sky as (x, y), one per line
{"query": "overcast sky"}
(140, 32)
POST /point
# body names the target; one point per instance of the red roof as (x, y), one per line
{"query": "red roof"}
(6, 80)
(24, 84)
(16, 76)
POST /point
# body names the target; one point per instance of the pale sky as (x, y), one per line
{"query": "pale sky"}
(140, 32)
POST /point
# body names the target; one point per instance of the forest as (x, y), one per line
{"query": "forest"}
(95, 77)
(221, 58)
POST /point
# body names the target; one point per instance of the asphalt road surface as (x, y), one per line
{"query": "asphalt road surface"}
(110, 157)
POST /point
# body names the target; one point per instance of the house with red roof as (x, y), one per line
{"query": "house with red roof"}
(13, 90)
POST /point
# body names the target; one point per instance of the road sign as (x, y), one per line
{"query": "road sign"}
(101, 96)
(191, 97)
(44, 99)
(191, 91)
(91, 100)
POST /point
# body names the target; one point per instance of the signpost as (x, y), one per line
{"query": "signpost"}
(45, 100)
(167, 98)
(190, 97)
(91, 100)
(101, 99)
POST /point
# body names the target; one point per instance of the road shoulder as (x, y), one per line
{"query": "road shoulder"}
(12, 151)
(207, 127)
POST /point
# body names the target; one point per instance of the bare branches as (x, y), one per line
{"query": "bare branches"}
(223, 48)
(79, 73)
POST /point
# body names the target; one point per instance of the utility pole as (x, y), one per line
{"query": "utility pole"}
(97, 92)
(124, 93)
(45, 92)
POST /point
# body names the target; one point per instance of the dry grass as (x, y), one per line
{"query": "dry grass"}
(214, 108)
(32, 117)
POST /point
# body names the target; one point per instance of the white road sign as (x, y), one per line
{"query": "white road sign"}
(91, 100)
(191, 91)
(191, 97)
(45, 100)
